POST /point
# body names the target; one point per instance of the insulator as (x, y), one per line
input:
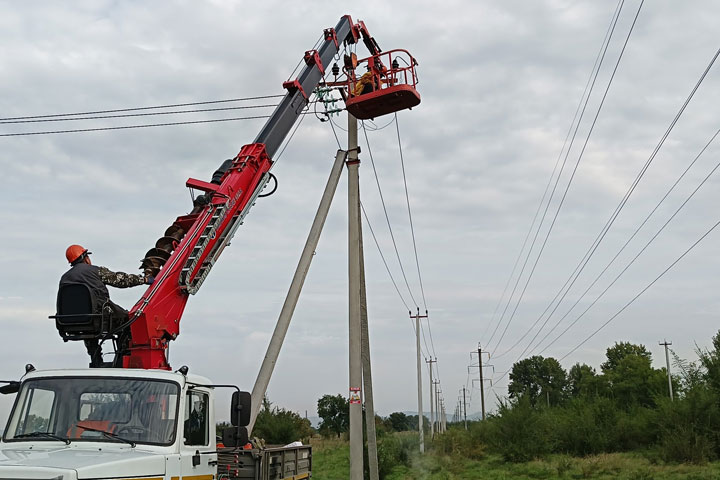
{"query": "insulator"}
(335, 69)
(395, 64)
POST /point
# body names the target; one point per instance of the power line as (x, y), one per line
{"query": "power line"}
(134, 109)
(387, 218)
(642, 291)
(130, 115)
(596, 243)
(412, 228)
(572, 176)
(562, 168)
(637, 255)
(412, 231)
(392, 279)
(125, 127)
(642, 250)
(557, 162)
(637, 230)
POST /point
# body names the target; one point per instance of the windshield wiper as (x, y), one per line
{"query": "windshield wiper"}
(44, 435)
(114, 436)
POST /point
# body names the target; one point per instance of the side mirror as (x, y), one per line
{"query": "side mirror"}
(240, 409)
(234, 436)
(13, 387)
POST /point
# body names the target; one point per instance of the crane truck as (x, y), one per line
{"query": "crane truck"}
(134, 417)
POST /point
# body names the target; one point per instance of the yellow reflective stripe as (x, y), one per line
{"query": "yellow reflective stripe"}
(198, 477)
(301, 476)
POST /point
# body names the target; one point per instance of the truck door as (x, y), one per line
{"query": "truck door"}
(198, 455)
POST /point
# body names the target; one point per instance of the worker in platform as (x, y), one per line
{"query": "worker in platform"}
(96, 278)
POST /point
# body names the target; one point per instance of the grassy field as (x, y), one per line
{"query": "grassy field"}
(330, 462)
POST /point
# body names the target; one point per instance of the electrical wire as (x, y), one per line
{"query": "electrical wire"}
(387, 218)
(134, 109)
(642, 250)
(407, 198)
(412, 230)
(125, 127)
(587, 91)
(572, 176)
(636, 256)
(637, 230)
(130, 115)
(642, 291)
(377, 244)
(586, 258)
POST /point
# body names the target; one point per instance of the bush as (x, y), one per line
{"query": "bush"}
(634, 429)
(584, 426)
(689, 427)
(521, 433)
(457, 441)
(395, 450)
(280, 426)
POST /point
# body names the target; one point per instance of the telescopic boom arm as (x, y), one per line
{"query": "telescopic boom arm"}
(182, 259)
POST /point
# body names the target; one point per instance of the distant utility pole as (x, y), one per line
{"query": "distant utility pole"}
(438, 416)
(419, 377)
(666, 344)
(432, 400)
(482, 380)
(444, 418)
(482, 383)
(464, 408)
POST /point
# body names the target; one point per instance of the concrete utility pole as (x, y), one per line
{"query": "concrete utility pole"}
(355, 327)
(419, 378)
(437, 406)
(482, 383)
(480, 367)
(432, 400)
(442, 415)
(367, 369)
(464, 408)
(288, 308)
(666, 344)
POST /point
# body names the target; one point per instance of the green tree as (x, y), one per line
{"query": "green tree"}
(633, 381)
(710, 360)
(335, 413)
(398, 421)
(621, 350)
(280, 426)
(537, 377)
(583, 381)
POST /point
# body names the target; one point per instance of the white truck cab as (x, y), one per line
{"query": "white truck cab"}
(111, 424)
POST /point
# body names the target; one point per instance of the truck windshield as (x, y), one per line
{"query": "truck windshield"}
(99, 409)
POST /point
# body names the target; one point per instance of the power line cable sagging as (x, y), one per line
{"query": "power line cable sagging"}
(138, 112)
(584, 261)
(429, 349)
(572, 175)
(135, 109)
(586, 91)
(601, 235)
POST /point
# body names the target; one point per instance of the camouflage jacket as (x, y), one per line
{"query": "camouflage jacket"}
(119, 279)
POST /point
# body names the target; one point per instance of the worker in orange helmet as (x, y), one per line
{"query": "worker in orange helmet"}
(96, 278)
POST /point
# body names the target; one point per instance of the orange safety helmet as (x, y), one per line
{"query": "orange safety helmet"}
(75, 252)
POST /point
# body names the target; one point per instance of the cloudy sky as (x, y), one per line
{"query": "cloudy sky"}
(500, 83)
